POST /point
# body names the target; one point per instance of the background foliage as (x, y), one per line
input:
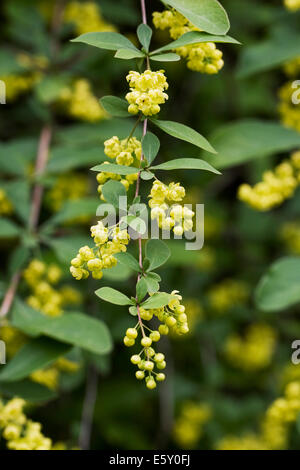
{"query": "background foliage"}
(224, 377)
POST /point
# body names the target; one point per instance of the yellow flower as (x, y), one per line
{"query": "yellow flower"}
(227, 294)
(275, 187)
(292, 68)
(79, 102)
(47, 377)
(147, 92)
(202, 57)
(177, 217)
(188, 427)
(86, 17)
(292, 5)
(68, 187)
(254, 351)
(288, 111)
(247, 442)
(6, 207)
(17, 85)
(108, 242)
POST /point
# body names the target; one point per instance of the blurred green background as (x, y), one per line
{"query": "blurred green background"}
(225, 375)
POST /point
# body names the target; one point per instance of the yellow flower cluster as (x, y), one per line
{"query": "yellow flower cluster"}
(32, 61)
(275, 187)
(290, 234)
(126, 152)
(20, 432)
(78, 102)
(228, 294)
(146, 92)
(254, 351)
(177, 217)
(41, 278)
(86, 17)
(202, 57)
(49, 377)
(12, 337)
(6, 207)
(292, 68)
(68, 187)
(108, 242)
(292, 5)
(288, 111)
(17, 85)
(196, 313)
(280, 415)
(188, 427)
(172, 317)
(274, 432)
(249, 441)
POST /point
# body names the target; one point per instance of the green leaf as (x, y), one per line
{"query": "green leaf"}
(147, 175)
(268, 54)
(141, 289)
(128, 260)
(157, 300)
(28, 390)
(18, 259)
(115, 106)
(65, 158)
(169, 57)
(186, 164)
(115, 168)
(207, 15)
(183, 132)
(152, 282)
(72, 328)
(21, 153)
(49, 88)
(113, 296)
(144, 33)
(246, 140)
(37, 354)
(194, 37)
(8, 229)
(18, 192)
(138, 224)
(150, 146)
(112, 191)
(106, 40)
(129, 54)
(85, 207)
(279, 287)
(67, 247)
(133, 310)
(157, 252)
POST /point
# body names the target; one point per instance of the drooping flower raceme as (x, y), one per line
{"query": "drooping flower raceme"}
(147, 92)
(20, 432)
(202, 57)
(100, 257)
(276, 186)
(125, 152)
(172, 317)
(288, 109)
(86, 17)
(177, 217)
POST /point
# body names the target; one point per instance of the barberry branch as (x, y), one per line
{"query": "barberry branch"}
(88, 409)
(145, 127)
(41, 162)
